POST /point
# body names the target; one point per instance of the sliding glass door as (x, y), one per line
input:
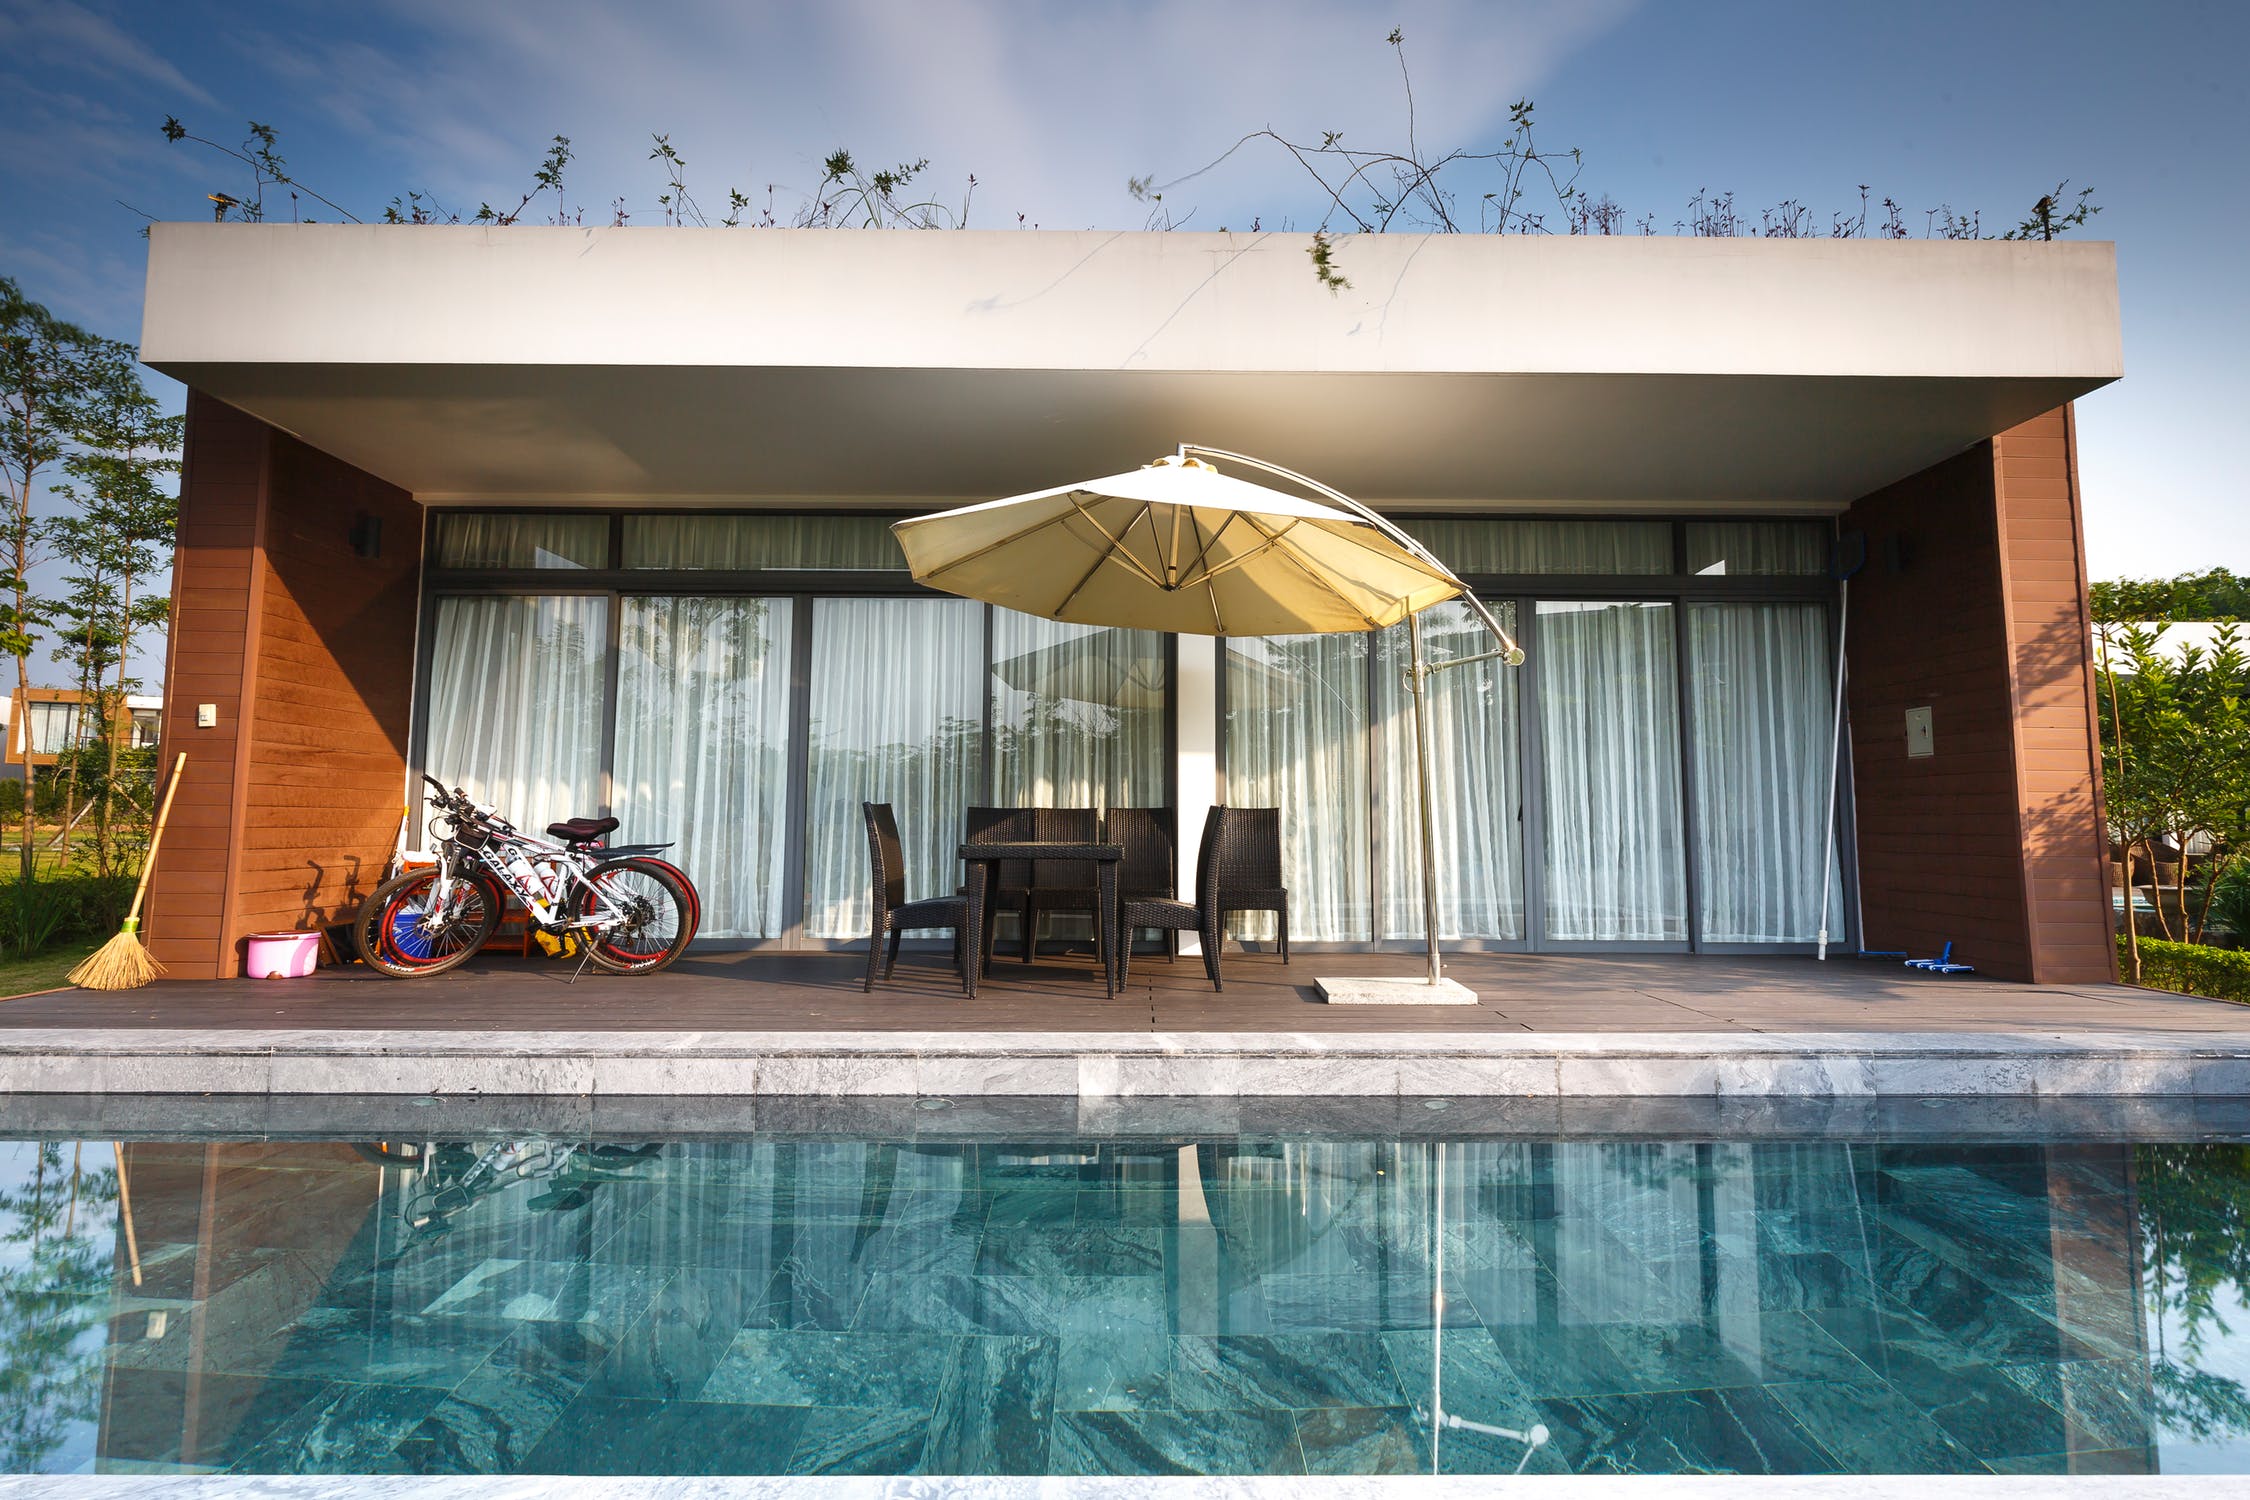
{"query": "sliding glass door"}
(1476, 783)
(1614, 866)
(703, 701)
(1761, 680)
(897, 717)
(515, 702)
(1078, 714)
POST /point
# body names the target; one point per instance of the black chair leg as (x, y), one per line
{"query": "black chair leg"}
(890, 966)
(874, 954)
(1285, 932)
(1211, 959)
(1171, 945)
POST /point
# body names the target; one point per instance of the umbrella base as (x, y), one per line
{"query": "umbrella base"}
(1395, 992)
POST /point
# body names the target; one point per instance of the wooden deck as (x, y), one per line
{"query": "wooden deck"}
(1518, 993)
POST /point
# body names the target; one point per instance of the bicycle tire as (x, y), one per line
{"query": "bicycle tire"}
(631, 951)
(389, 929)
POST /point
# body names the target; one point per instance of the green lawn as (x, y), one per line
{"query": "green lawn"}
(42, 971)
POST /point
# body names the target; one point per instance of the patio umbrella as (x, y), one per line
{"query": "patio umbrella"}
(1179, 546)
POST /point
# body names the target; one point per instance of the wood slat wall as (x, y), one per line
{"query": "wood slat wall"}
(1965, 607)
(2058, 748)
(291, 803)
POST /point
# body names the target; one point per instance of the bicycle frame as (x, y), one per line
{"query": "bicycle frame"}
(573, 866)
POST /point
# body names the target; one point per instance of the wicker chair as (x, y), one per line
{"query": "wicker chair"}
(1010, 887)
(1173, 917)
(1249, 867)
(893, 913)
(1148, 868)
(1061, 884)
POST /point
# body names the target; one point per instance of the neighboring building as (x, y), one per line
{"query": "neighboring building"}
(57, 719)
(596, 519)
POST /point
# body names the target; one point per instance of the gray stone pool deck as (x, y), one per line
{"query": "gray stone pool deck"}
(792, 1026)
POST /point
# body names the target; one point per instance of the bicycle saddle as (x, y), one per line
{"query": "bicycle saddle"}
(580, 830)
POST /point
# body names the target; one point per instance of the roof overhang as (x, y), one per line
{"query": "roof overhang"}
(705, 366)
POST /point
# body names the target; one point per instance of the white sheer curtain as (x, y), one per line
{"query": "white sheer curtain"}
(520, 541)
(1296, 738)
(1477, 544)
(816, 543)
(516, 703)
(897, 717)
(1758, 547)
(1077, 714)
(1476, 784)
(1609, 729)
(703, 748)
(1760, 674)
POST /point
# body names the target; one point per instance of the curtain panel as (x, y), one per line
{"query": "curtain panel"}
(703, 749)
(897, 717)
(516, 687)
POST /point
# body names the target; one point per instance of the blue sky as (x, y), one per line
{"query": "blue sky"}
(1980, 104)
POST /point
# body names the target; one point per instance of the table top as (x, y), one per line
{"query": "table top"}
(1044, 849)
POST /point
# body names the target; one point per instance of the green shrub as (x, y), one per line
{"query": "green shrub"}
(2191, 969)
(60, 909)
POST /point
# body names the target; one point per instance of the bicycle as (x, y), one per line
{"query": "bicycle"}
(633, 912)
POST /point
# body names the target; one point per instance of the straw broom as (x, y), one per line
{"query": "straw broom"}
(122, 963)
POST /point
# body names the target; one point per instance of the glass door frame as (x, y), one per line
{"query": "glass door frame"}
(1681, 589)
(800, 587)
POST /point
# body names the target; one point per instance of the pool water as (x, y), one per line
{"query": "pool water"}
(1237, 1306)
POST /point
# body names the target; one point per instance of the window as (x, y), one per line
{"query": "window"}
(1476, 782)
(746, 543)
(1615, 866)
(54, 727)
(897, 717)
(523, 540)
(1481, 545)
(703, 749)
(1295, 738)
(1767, 548)
(1077, 714)
(1763, 728)
(516, 687)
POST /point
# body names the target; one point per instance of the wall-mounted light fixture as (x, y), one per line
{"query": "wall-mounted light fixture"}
(367, 535)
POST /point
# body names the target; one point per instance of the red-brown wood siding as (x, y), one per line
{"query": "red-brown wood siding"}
(291, 803)
(1972, 604)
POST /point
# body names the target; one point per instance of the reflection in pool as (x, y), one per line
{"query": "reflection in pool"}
(1240, 1306)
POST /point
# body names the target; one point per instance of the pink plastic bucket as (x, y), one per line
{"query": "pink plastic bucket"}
(282, 955)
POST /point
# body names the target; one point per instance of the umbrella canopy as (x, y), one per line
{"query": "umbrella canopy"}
(1177, 546)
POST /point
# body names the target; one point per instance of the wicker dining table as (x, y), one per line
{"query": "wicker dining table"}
(983, 858)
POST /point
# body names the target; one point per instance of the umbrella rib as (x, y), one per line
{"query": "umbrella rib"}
(991, 547)
(1203, 550)
(1117, 549)
(1304, 565)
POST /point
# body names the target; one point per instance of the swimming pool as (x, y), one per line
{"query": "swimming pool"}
(505, 1302)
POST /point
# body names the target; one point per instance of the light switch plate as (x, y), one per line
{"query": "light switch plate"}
(207, 716)
(1921, 738)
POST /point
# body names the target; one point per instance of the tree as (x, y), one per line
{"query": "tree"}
(2214, 594)
(118, 536)
(60, 389)
(2176, 760)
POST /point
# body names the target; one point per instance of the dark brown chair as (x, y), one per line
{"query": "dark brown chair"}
(893, 913)
(1009, 884)
(1249, 867)
(1173, 917)
(1061, 884)
(1149, 868)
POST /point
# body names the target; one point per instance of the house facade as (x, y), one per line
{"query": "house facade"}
(596, 520)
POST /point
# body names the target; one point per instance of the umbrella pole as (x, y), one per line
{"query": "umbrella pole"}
(1418, 681)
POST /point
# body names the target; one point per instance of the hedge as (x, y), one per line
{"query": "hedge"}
(64, 908)
(2190, 968)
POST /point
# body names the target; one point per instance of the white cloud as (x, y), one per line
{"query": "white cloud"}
(59, 35)
(1052, 107)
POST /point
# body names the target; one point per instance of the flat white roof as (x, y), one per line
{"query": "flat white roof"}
(700, 365)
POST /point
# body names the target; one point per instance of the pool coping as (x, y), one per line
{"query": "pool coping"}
(975, 1487)
(1122, 1065)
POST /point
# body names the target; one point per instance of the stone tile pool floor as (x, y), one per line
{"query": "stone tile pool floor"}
(1284, 1304)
